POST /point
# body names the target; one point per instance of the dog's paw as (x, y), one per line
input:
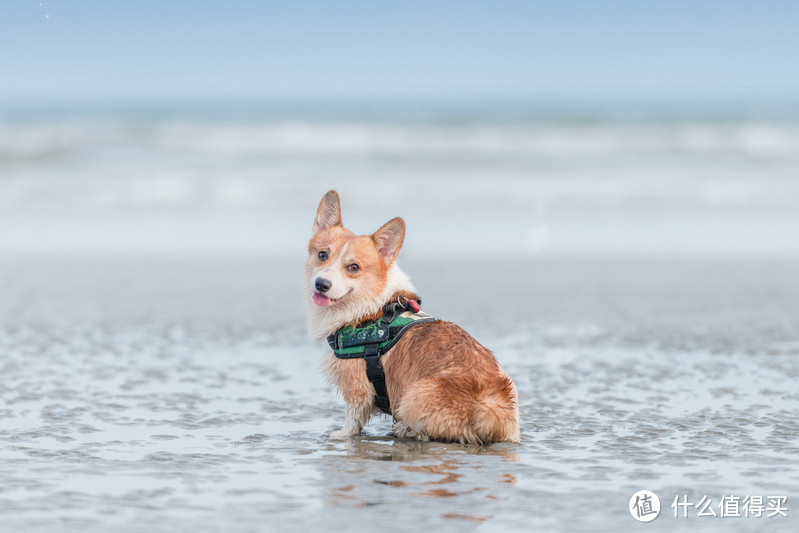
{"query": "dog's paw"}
(340, 434)
(402, 431)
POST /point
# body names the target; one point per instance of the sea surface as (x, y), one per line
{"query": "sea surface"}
(633, 268)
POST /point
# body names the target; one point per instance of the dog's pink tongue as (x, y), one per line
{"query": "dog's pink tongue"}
(320, 299)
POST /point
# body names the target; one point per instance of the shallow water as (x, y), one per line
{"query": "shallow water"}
(180, 395)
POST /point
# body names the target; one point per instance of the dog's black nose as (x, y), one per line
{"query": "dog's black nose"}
(323, 285)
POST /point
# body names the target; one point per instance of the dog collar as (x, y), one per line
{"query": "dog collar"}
(371, 339)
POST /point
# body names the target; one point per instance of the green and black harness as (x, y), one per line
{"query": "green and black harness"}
(371, 339)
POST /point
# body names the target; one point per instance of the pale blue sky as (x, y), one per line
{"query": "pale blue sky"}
(320, 49)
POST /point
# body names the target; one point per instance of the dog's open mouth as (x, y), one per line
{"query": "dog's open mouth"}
(321, 300)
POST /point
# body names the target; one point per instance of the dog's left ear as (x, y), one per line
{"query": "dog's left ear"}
(388, 239)
(328, 214)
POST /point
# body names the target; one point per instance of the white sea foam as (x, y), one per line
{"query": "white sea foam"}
(189, 168)
(753, 140)
(758, 140)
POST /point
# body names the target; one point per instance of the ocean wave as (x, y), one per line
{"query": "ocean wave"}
(762, 141)
(604, 165)
(537, 196)
(765, 141)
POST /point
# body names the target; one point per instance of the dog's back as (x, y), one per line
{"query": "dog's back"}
(445, 385)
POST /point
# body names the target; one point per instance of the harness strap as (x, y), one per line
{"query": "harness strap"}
(351, 344)
(375, 374)
(371, 340)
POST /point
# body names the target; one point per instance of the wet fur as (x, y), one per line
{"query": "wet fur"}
(443, 385)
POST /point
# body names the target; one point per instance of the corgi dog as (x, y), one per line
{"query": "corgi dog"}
(441, 383)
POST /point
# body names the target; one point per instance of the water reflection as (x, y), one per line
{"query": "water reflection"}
(383, 471)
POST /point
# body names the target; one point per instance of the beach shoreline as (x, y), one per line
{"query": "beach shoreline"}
(186, 387)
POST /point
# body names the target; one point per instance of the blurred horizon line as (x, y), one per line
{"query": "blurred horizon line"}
(378, 106)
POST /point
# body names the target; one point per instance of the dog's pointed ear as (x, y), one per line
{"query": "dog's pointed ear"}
(388, 239)
(328, 214)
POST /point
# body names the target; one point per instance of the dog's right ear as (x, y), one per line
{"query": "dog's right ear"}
(328, 214)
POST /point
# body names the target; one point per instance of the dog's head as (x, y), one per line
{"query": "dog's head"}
(344, 270)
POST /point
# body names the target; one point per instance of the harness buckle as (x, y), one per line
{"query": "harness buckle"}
(374, 369)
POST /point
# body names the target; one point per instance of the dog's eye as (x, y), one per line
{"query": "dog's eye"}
(322, 256)
(353, 267)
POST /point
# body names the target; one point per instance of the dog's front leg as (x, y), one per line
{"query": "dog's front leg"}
(357, 417)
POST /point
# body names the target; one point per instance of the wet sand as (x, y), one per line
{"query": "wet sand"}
(156, 394)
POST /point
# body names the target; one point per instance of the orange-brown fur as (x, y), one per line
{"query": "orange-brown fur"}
(442, 384)
(438, 376)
